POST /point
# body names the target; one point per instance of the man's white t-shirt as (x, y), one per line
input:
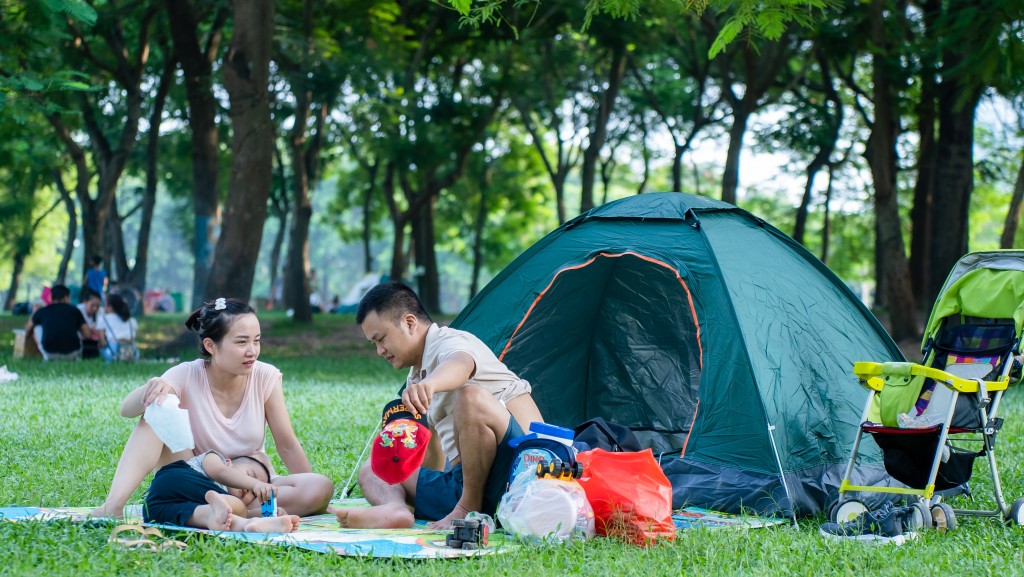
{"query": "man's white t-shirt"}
(491, 374)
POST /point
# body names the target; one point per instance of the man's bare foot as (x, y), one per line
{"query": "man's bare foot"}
(389, 516)
(285, 524)
(220, 518)
(459, 512)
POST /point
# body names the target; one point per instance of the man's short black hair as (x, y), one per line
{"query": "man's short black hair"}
(391, 300)
(97, 260)
(59, 292)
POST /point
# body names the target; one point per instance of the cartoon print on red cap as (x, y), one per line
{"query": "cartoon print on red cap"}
(402, 430)
(403, 443)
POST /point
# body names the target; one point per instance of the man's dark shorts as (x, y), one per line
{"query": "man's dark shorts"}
(438, 492)
(176, 491)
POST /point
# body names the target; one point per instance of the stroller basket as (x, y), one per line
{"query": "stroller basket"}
(907, 454)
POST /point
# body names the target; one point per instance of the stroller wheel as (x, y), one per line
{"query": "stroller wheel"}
(919, 518)
(848, 510)
(1017, 512)
(943, 518)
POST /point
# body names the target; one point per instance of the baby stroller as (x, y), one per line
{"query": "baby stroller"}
(932, 420)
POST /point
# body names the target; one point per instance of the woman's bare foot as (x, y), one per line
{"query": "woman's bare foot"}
(220, 516)
(459, 512)
(285, 524)
(103, 511)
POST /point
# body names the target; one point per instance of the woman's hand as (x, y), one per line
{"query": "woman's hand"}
(157, 390)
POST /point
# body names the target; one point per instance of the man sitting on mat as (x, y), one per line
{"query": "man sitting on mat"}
(474, 406)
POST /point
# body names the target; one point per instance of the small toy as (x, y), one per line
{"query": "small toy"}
(467, 534)
(269, 507)
(559, 470)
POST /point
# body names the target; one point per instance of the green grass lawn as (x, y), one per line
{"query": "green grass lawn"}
(60, 438)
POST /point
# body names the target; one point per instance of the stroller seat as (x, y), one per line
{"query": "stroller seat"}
(970, 352)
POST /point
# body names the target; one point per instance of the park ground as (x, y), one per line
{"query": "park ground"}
(61, 437)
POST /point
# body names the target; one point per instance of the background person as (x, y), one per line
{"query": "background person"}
(60, 323)
(90, 307)
(95, 278)
(231, 398)
(121, 330)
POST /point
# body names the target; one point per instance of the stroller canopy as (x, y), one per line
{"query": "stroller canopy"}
(985, 285)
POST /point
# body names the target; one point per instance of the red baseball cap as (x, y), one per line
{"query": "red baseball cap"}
(401, 445)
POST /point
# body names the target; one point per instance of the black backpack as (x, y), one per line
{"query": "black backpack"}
(598, 433)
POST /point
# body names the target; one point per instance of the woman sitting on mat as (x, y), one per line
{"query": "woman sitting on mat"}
(231, 398)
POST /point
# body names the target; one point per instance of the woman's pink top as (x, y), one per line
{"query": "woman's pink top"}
(241, 434)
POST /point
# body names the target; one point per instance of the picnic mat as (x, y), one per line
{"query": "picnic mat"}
(319, 533)
(322, 534)
(691, 517)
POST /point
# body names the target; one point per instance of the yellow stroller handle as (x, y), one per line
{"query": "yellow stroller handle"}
(872, 376)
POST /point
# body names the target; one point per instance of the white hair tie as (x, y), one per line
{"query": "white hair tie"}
(220, 304)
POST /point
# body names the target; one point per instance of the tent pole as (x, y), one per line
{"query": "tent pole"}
(782, 474)
(359, 463)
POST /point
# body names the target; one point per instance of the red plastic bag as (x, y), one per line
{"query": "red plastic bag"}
(631, 497)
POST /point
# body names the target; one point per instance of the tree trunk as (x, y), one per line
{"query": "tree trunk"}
(398, 222)
(136, 276)
(296, 283)
(478, 235)
(824, 155)
(954, 180)
(17, 266)
(246, 74)
(280, 208)
(760, 71)
(819, 161)
(371, 186)
(72, 230)
(599, 126)
(1013, 215)
(826, 228)
(427, 281)
(197, 66)
(893, 267)
(731, 173)
(920, 219)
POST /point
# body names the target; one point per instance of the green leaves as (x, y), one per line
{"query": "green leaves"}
(75, 9)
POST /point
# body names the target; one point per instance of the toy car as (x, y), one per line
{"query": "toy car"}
(559, 470)
(467, 534)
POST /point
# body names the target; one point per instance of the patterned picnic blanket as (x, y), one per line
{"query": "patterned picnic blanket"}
(322, 534)
(319, 533)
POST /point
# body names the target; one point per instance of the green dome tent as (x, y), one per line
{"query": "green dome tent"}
(725, 345)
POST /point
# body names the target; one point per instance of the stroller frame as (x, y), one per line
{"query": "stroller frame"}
(928, 512)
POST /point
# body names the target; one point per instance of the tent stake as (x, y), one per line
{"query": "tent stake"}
(782, 474)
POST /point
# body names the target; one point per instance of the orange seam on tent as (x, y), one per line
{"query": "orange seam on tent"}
(689, 298)
(688, 433)
(537, 300)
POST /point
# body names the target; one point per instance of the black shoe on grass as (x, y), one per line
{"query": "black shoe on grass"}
(884, 525)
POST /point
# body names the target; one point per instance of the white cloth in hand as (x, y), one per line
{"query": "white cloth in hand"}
(170, 423)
